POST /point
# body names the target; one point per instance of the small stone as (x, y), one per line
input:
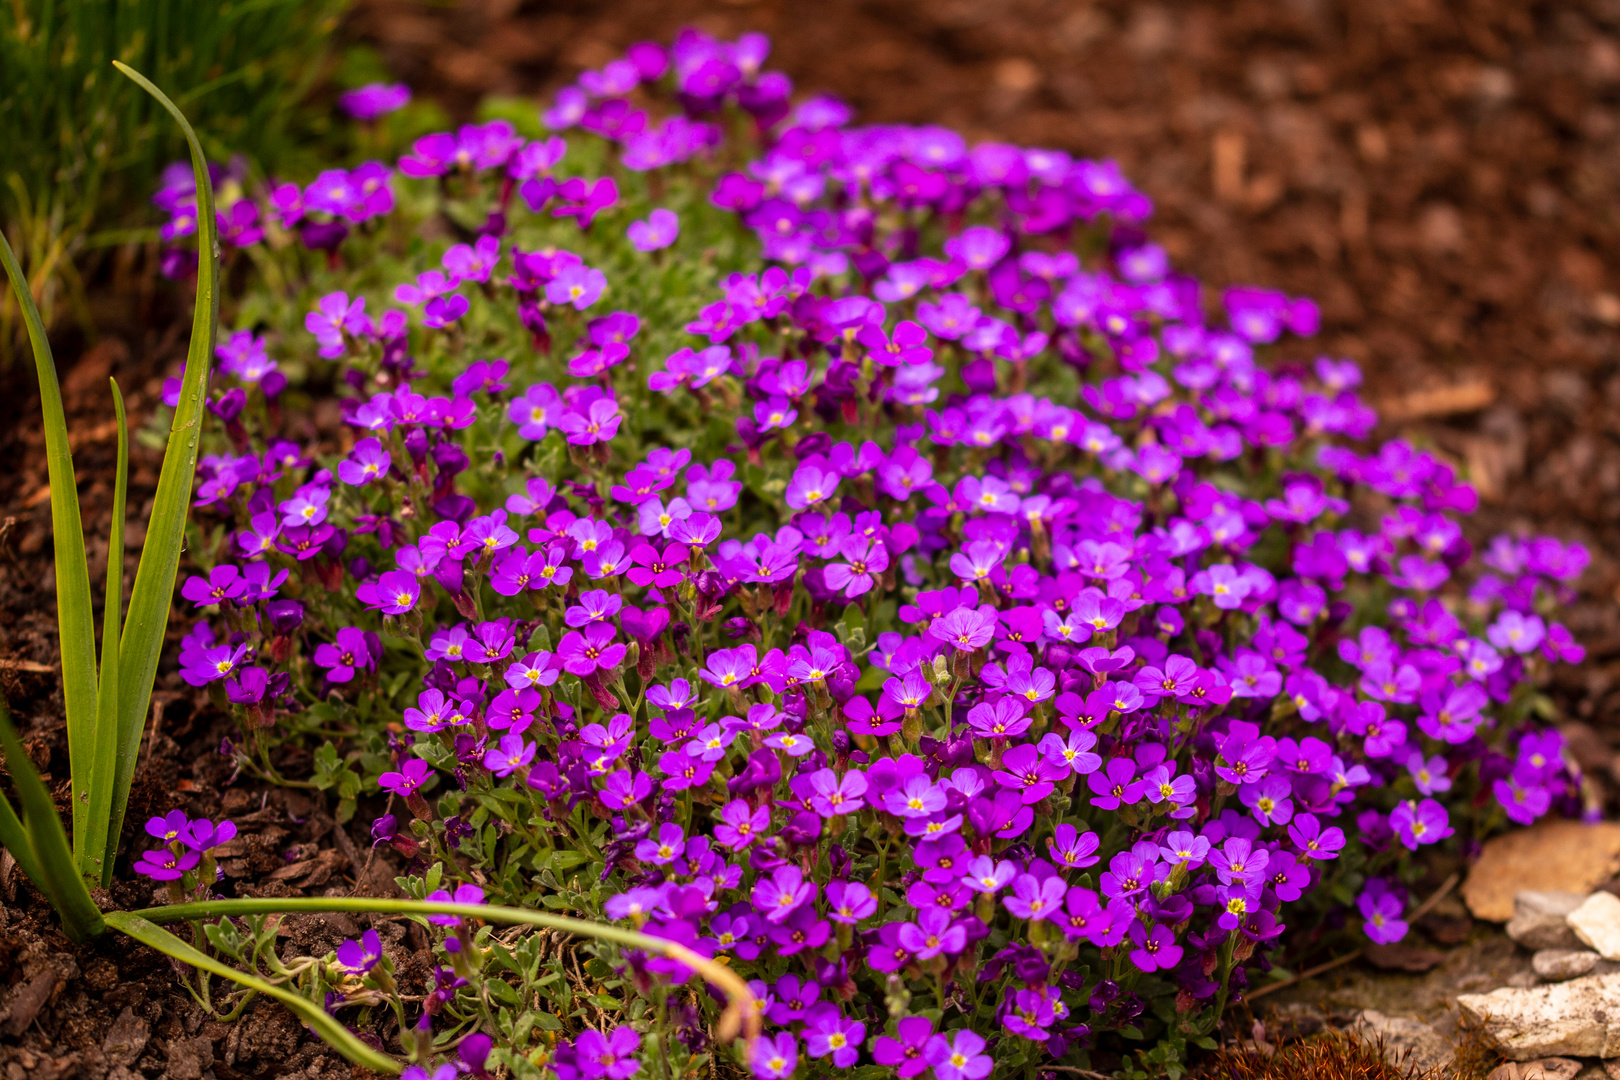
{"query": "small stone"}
(1566, 856)
(1407, 1042)
(125, 1039)
(1578, 1018)
(1597, 923)
(1545, 1069)
(1540, 919)
(1557, 965)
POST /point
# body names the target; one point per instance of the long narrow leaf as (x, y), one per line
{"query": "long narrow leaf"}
(741, 1012)
(14, 838)
(75, 621)
(326, 1026)
(59, 876)
(96, 854)
(149, 601)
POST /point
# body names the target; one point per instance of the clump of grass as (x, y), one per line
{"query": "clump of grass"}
(1336, 1055)
(84, 145)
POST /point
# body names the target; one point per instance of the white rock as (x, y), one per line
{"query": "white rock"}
(1597, 923)
(1407, 1042)
(1579, 1018)
(1556, 965)
(1539, 919)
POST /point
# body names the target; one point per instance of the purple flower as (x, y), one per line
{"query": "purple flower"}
(774, 1058)
(411, 776)
(849, 902)
(908, 1051)
(512, 754)
(584, 653)
(368, 462)
(1417, 823)
(958, 1056)
(394, 593)
(361, 956)
(831, 796)
(933, 933)
(578, 286)
(828, 1032)
(811, 484)
(658, 231)
(1156, 948)
(1027, 771)
(1383, 911)
(375, 99)
(598, 422)
(1035, 899)
(224, 583)
(740, 825)
(163, 864)
(609, 1056)
(779, 895)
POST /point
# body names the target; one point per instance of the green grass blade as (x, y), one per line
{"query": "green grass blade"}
(59, 876)
(96, 855)
(326, 1026)
(149, 601)
(741, 1008)
(75, 621)
(14, 838)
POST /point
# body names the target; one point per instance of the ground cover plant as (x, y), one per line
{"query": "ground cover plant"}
(843, 551)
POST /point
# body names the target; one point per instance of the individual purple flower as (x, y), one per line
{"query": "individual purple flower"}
(361, 956)
(774, 1057)
(513, 753)
(658, 231)
(831, 795)
(779, 895)
(598, 422)
(1156, 948)
(223, 584)
(409, 777)
(811, 485)
(828, 1032)
(1383, 911)
(934, 933)
(368, 462)
(351, 653)
(163, 864)
(1035, 899)
(585, 652)
(393, 593)
(375, 99)
(849, 902)
(1026, 770)
(907, 1051)
(1418, 823)
(740, 824)
(577, 286)
(612, 1057)
(958, 1056)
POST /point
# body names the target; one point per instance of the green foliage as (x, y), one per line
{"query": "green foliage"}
(83, 145)
(106, 713)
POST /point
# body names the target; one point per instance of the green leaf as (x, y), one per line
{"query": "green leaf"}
(149, 601)
(58, 876)
(75, 621)
(330, 1030)
(96, 854)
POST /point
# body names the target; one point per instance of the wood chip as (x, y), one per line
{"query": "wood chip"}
(1451, 400)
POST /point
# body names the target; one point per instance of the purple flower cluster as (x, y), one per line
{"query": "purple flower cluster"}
(936, 616)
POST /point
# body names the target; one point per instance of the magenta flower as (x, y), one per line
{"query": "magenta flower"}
(779, 895)
(405, 782)
(375, 99)
(827, 1032)
(223, 584)
(658, 231)
(611, 1057)
(958, 1056)
(908, 1050)
(849, 902)
(393, 593)
(1035, 899)
(831, 796)
(740, 825)
(810, 485)
(774, 1058)
(577, 286)
(932, 934)
(162, 864)
(351, 653)
(368, 462)
(1418, 823)
(582, 200)
(584, 653)
(1383, 911)
(599, 422)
